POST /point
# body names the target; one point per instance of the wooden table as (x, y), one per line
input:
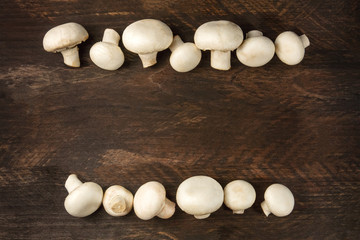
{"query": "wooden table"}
(296, 125)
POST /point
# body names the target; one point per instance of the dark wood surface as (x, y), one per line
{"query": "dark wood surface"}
(296, 125)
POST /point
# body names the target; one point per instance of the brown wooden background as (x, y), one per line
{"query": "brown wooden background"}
(297, 125)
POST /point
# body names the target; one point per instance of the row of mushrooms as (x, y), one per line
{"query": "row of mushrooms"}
(198, 196)
(147, 37)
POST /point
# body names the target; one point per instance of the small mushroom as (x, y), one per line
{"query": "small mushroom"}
(290, 48)
(185, 56)
(147, 37)
(84, 198)
(221, 37)
(107, 54)
(200, 196)
(256, 50)
(150, 201)
(278, 200)
(239, 196)
(117, 201)
(65, 38)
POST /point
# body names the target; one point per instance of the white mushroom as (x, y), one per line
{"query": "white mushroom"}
(221, 37)
(278, 200)
(117, 201)
(239, 195)
(256, 50)
(107, 54)
(150, 201)
(200, 196)
(290, 48)
(147, 37)
(65, 38)
(84, 198)
(185, 56)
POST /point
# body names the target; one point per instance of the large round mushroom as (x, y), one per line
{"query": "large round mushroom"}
(65, 38)
(147, 37)
(200, 196)
(221, 37)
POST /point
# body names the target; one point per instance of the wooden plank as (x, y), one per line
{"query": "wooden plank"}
(297, 125)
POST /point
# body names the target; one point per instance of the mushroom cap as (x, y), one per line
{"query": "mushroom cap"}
(289, 48)
(149, 200)
(279, 200)
(84, 200)
(256, 51)
(107, 56)
(239, 195)
(219, 35)
(64, 36)
(185, 58)
(117, 191)
(199, 195)
(146, 36)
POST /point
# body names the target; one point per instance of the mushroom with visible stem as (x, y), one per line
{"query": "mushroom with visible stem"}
(84, 198)
(150, 201)
(279, 200)
(65, 38)
(107, 54)
(185, 56)
(200, 196)
(239, 196)
(147, 37)
(256, 50)
(290, 48)
(221, 37)
(117, 201)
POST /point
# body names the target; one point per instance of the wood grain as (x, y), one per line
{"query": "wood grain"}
(297, 125)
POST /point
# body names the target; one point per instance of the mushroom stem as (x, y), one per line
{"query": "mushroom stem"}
(118, 204)
(177, 42)
(148, 59)
(220, 59)
(72, 182)
(265, 208)
(71, 57)
(241, 211)
(168, 210)
(111, 36)
(254, 33)
(202, 216)
(305, 40)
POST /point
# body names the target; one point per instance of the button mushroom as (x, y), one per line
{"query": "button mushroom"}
(150, 201)
(278, 200)
(221, 37)
(84, 198)
(65, 38)
(239, 195)
(107, 54)
(256, 50)
(117, 201)
(147, 37)
(290, 48)
(200, 196)
(185, 56)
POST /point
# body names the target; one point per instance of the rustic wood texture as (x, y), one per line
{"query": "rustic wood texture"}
(297, 125)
